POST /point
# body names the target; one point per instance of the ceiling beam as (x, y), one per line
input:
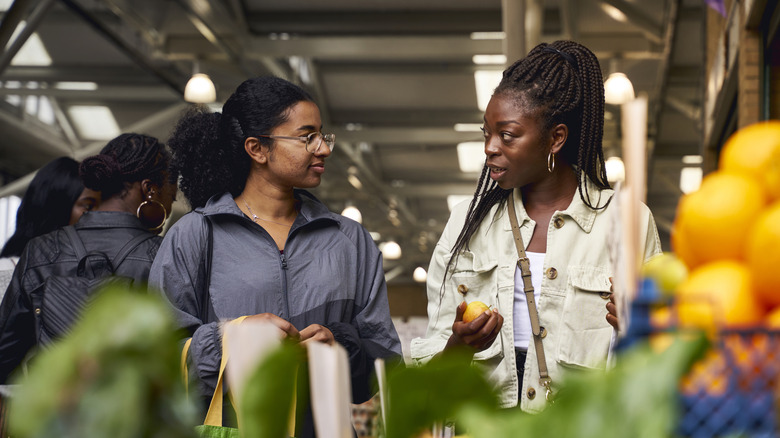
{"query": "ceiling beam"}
(420, 135)
(152, 122)
(124, 75)
(104, 93)
(31, 23)
(140, 57)
(424, 22)
(11, 19)
(208, 19)
(426, 49)
(652, 30)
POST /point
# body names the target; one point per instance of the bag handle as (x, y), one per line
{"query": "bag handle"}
(525, 268)
(214, 414)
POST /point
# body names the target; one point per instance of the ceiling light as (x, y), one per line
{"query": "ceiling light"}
(615, 13)
(420, 275)
(692, 159)
(375, 236)
(353, 213)
(355, 181)
(94, 122)
(200, 89)
(390, 250)
(468, 127)
(453, 200)
(489, 59)
(471, 156)
(486, 82)
(616, 170)
(618, 89)
(488, 35)
(690, 179)
(78, 86)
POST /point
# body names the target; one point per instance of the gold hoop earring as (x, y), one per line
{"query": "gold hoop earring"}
(152, 221)
(551, 162)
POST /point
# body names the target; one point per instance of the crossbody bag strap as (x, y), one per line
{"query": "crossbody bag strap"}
(525, 269)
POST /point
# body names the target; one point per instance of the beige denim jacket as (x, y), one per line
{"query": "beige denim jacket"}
(574, 291)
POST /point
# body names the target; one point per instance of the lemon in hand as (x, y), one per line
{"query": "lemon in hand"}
(473, 310)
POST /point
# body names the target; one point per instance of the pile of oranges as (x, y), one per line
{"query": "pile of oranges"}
(728, 235)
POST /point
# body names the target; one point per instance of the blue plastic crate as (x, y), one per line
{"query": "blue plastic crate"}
(731, 393)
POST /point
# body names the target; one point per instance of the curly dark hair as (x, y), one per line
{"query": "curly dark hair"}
(562, 84)
(123, 161)
(47, 203)
(208, 148)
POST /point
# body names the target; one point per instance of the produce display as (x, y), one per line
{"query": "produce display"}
(723, 278)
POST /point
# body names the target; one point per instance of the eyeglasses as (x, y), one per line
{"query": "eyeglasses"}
(313, 140)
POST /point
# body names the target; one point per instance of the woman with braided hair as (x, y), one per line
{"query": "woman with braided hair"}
(259, 244)
(119, 237)
(544, 162)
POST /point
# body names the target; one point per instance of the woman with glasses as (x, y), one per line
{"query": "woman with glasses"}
(277, 252)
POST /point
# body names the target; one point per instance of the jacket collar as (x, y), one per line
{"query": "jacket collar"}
(583, 215)
(109, 219)
(311, 207)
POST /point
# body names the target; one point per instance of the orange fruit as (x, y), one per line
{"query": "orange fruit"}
(763, 255)
(711, 221)
(718, 294)
(473, 310)
(755, 150)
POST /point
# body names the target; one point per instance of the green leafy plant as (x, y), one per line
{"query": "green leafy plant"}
(637, 398)
(116, 374)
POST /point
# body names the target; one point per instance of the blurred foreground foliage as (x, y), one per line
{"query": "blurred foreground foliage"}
(637, 398)
(117, 374)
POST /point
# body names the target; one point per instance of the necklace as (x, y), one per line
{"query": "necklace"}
(255, 218)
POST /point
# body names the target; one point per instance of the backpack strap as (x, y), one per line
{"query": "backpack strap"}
(75, 240)
(132, 244)
(208, 253)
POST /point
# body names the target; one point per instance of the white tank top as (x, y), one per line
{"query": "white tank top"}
(521, 320)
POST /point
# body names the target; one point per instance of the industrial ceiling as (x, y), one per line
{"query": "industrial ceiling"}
(392, 78)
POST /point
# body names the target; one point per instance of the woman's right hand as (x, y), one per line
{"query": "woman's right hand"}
(285, 326)
(479, 333)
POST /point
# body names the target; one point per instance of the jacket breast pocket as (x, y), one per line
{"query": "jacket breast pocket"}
(476, 278)
(585, 333)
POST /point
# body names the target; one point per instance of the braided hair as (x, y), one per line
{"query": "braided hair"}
(561, 83)
(123, 161)
(208, 148)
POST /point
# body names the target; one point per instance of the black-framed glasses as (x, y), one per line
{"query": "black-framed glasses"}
(313, 141)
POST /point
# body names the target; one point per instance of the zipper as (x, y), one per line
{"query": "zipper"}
(285, 297)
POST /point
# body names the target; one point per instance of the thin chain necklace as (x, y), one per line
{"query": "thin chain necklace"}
(255, 218)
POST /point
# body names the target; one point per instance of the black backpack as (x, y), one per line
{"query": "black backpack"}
(59, 301)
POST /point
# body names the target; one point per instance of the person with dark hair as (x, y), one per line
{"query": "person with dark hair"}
(132, 173)
(258, 244)
(533, 241)
(55, 197)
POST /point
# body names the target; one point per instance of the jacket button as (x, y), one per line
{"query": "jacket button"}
(531, 393)
(558, 222)
(605, 295)
(37, 310)
(552, 273)
(462, 288)
(542, 332)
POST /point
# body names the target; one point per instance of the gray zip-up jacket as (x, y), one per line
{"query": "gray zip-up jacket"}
(330, 273)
